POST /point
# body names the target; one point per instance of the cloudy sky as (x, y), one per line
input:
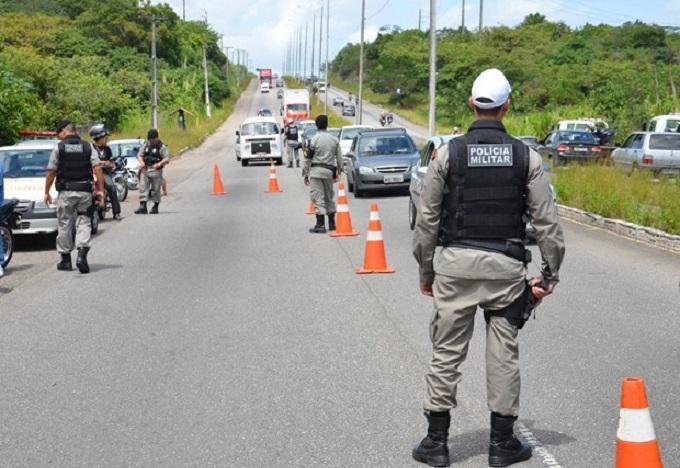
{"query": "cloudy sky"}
(264, 27)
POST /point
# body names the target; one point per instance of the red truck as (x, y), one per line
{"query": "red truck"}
(266, 75)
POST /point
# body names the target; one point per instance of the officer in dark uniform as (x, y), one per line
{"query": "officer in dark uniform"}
(153, 157)
(469, 246)
(292, 136)
(73, 164)
(100, 135)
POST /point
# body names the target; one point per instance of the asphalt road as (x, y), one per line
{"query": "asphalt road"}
(221, 333)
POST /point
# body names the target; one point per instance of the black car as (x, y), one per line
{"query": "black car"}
(349, 110)
(562, 146)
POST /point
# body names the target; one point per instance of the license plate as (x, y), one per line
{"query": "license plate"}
(261, 155)
(581, 150)
(394, 179)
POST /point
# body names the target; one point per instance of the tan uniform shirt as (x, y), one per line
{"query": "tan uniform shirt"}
(324, 149)
(478, 264)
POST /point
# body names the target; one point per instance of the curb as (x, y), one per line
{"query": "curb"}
(646, 235)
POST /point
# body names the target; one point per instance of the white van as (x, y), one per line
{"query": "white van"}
(264, 87)
(581, 125)
(259, 139)
(25, 171)
(663, 123)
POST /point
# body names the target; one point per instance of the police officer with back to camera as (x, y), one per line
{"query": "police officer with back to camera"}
(323, 166)
(153, 157)
(291, 134)
(100, 135)
(469, 246)
(74, 165)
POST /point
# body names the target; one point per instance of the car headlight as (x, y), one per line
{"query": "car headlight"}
(366, 170)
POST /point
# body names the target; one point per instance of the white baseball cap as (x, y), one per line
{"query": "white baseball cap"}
(491, 89)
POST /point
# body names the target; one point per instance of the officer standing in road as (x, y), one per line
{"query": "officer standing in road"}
(74, 165)
(323, 166)
(153, 157)
(291, 135)
(100, 135)
(468, 244)
(2, 201)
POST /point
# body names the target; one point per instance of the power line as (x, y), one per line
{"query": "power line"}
(387, 2)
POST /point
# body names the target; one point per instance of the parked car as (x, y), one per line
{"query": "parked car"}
(338, 101)
(348, 110)
(347, 134)
(663, 123)
(25, 170)
(264, 112)
(531, 141)
(129, 149)
(564, 146)
(380, 159)
(259, 139)
(654, 151)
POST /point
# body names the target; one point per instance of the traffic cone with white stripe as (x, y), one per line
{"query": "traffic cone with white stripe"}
(636, 445)
(273, 181)
(343, 221)
(374, 258)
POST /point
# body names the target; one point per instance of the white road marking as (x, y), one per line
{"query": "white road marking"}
(539, 450)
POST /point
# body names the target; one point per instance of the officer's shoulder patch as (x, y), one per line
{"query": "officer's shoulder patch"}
(69, 148)
(500, 155)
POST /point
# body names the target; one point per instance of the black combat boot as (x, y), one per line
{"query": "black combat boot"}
(320, 227)
(81, 261)
(331, 221)
(142, 208)
(290, 165)
(65, 264)
(433, 449)
(297, 163)
(154, 209)
(505, 449)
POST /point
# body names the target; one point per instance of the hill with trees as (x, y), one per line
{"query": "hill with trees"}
(89, 61)
(621, 73)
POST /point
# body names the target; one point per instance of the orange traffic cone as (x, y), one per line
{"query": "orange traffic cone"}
(374, 258)
(311, 210)
(636, 445)
(273, 182)
(343, 219)
(218, 187)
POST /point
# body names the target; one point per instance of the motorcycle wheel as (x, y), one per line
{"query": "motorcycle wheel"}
(101, 214)
(7, 239)
(121, 189)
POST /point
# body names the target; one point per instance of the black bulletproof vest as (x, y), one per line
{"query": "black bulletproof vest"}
(74, 168)
(105, 154)
(152, 154)
(291, 133)
(486, 186)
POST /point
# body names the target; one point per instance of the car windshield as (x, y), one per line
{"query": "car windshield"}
(310, 132)
(126, 150)
(576, 137)
(297, 107)
(259, 128)
(577, 126)
(347, 107)
(350, 133)
(334, 131)
(25, 163)
(664, 142)
(385, 144)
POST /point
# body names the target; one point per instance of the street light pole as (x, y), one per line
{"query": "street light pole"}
(311, 74)
(433, 67)
(184, 10)
(154, 75)
(320, 40)
(205, 80)
(304, 68)
(462, 22)
(328, 37)
(481, 17)
(361, 64)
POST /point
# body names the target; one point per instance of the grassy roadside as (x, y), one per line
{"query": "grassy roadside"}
(198, 127)
(334, 119)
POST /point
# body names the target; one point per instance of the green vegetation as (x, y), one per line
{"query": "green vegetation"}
(334, 119)
(89, 61)
(624, 74)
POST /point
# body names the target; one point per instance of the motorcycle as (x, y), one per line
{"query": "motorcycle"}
(9, 219)
(386, 119)
(120, 178)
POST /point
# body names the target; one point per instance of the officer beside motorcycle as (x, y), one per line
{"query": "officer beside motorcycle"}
(100, 135)
(74, 165)
(2, 201)
(469, 246)
(323, 165)
(291, 134)
(153, 157)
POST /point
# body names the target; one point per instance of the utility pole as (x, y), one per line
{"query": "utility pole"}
(328, 38)
(205, 80)
(238, 68)
(481, 18)
(226, 53)
(311, 74)
(462, 22)
(304, 68)
(420, 19)
(184, 10)
(432, 127)
(154, 75)
(320, 40)
(361, 64)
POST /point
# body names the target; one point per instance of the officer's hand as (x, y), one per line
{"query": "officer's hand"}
(99, 198)
(539, 292)
(307, 181)
(426, 289)
(48, 199)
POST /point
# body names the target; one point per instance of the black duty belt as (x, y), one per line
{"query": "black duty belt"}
(84, 186)
(330, 167)
(511, 249)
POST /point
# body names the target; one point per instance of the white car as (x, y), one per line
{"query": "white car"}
(25, 171)
(347, 134)
(264, 87)
(128, 149)
(259, 139)
(663, 123)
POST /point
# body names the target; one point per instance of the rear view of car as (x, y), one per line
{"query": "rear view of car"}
(657, 152)
(347, 134)
(565, 146)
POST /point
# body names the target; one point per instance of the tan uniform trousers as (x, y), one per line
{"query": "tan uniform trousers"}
(293, 152)
(150, 182)
(455, 305)
(323, 195)
(73, 213)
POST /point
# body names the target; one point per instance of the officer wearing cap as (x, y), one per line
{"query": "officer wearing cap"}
(291, 134)
(100, 135)
(468, 243)
(323, 165)
(74, 165)
(153, 157)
